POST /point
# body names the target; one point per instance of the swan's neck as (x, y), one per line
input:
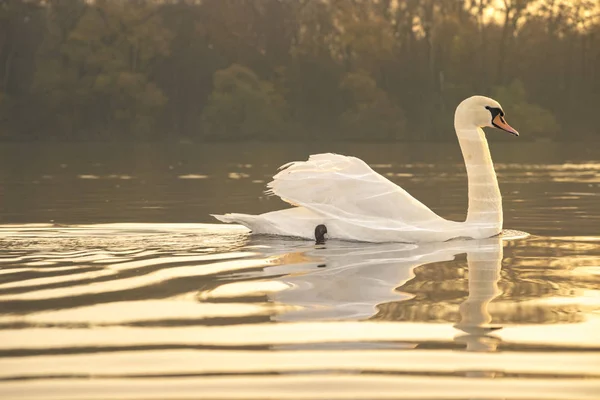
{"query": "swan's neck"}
(485, 201)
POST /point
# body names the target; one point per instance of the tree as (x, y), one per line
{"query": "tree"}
(83, 69)
(365, 36)
(513, 11)
(243, 106)
(100, 71)
(531, 118)
(369, 113)
(21, 33)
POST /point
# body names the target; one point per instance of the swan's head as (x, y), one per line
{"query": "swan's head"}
(480, 112)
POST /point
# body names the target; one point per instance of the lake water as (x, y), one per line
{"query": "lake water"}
(116, 283)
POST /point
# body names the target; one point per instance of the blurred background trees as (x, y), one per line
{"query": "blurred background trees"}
(275, 69)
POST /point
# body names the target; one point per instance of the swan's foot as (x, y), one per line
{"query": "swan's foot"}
(320, 232)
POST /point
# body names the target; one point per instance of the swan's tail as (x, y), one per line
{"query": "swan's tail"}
(244, 219)
(297, 222)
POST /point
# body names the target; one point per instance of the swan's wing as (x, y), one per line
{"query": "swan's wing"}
(346, 187)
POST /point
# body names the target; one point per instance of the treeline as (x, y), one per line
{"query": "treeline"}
(293, 69)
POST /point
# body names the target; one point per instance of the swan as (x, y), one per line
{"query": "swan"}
(356, 203)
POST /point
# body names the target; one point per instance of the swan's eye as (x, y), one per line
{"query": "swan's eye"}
(495, 111)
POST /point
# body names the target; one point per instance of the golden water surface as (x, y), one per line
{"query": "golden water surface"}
(95, 303)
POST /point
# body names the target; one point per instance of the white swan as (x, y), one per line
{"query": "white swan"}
(356, 203)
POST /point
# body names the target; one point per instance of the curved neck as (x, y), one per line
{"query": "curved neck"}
(485, 201)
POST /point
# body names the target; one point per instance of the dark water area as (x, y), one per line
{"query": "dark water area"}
(116, 283)
(547, 187)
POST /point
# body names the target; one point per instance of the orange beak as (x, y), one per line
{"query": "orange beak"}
(500, 123)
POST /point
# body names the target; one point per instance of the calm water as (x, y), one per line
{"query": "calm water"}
(115, 283)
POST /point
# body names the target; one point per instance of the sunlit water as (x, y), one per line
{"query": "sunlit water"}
(115, 283)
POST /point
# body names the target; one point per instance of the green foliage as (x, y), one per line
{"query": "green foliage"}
(530, 119)
(367, 40)
(264, 69)
(98, 75)
(243, 106)
(369, 114)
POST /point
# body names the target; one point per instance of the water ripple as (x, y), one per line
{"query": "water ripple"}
(107, 310)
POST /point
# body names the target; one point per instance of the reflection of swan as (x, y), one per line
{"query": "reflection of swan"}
(356, 203)
(484, 273)
(356, 279)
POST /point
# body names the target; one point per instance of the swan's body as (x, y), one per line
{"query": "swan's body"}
(357, 203)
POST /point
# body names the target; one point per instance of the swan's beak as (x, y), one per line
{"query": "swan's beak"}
(500, 123)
